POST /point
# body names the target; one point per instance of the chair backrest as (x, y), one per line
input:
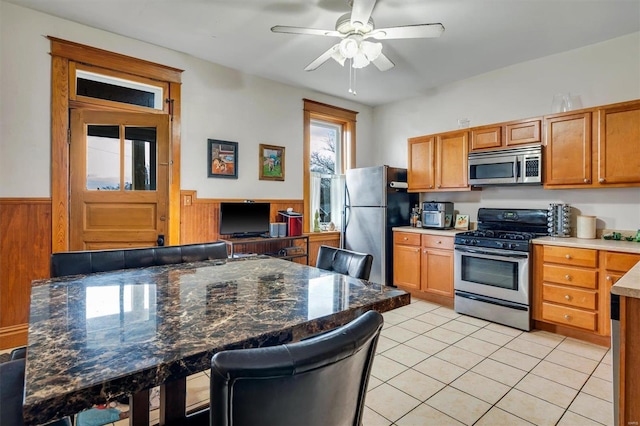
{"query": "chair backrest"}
(12, 391)
(319, 381)
(357, 265)
(90, 261)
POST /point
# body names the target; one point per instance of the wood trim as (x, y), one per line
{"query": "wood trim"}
(59, 154)
(629, 360)
(115, 61)
(342, 116)
(175, 91)
(13, 336)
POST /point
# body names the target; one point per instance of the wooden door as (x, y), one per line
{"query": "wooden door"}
(437, 271)
(619, 144)
(568, 151)
(406, 266)
(452, 154)
(118, 178)
(421, 173)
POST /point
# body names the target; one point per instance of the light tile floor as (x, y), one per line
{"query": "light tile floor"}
(436, 367)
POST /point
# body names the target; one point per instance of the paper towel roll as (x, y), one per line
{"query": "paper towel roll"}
(586, 227)
(399, 185)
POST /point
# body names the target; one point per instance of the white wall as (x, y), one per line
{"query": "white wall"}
(602, 73)
(217, 103)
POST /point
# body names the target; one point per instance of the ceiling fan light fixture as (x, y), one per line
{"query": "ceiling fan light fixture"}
(360, 60)
(349, 48)
(337, 56)
(371, 50)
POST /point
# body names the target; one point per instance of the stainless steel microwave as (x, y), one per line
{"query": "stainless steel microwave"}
(506, 167)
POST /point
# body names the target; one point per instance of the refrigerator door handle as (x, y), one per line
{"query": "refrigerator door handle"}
(345, 219)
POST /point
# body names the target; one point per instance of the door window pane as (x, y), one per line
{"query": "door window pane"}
(140, 159)
(103, 158)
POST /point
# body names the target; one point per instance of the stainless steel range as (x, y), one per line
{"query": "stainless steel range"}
(491, 271)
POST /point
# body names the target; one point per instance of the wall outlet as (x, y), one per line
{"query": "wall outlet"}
(187, 200)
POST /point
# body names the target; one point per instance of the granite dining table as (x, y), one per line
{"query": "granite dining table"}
(100, 337)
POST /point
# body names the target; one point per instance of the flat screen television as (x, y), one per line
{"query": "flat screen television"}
(244, 219)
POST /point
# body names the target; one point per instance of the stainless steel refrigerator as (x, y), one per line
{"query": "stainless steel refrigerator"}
(375, 202)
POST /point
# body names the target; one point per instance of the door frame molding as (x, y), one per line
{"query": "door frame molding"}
(63, 54)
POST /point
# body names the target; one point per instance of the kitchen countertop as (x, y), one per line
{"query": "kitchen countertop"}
(629, 284)
(429, 231)
(596, 244)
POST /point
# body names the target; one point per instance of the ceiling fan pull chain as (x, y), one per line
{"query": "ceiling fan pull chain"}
(352, 78)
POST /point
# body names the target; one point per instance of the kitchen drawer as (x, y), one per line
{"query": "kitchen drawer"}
(586, 278)
(437, 241)
(585, 299)
(620, 261)
(406, 238)
(571, 256)
(587, 320)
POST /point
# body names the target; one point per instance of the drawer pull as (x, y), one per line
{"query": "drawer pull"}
(567, 297)
(567, 277)
(425, 251)
(567, 317)
(438, 242)
(568, 256)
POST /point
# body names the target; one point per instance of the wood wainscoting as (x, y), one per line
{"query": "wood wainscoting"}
(25, 248)
(199, 222)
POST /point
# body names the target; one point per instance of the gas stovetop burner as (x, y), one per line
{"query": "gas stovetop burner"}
(505, 229)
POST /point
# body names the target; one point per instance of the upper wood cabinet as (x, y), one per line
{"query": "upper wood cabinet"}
(567, 157)
(522, 132)
(619, 144)
(486, 137)
(593, 148)
(439, 162)
(421, 173)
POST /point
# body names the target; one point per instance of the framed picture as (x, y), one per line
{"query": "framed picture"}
(462, 221)
(271, 162)
(222, 159)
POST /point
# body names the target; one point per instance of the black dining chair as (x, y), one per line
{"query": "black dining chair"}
(347, 262)
(12, 391)
(316, 382)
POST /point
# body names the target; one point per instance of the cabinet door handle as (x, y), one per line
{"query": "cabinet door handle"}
(430, 186)
(586, 181)
(567, 317)
(602, 180)
(417, 250)
(567, 297)
(439, 186)
(568, 256)
(567, 277)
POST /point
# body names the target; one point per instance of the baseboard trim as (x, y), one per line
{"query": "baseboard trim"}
(13, 336)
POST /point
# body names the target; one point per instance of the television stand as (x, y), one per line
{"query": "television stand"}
(289, 248)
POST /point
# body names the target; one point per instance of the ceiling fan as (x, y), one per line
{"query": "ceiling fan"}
(355, 29)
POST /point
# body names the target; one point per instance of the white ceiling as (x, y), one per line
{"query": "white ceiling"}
(480, 36)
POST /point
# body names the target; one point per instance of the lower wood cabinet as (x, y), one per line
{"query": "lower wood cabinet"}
(423, 265)
(572, 289)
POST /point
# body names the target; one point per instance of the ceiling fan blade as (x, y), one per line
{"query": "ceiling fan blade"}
(407, 31)
(322, 58)
(383, 63)
(361, 11)
(305, 31)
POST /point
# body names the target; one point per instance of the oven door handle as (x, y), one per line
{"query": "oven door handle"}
(492, 253)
